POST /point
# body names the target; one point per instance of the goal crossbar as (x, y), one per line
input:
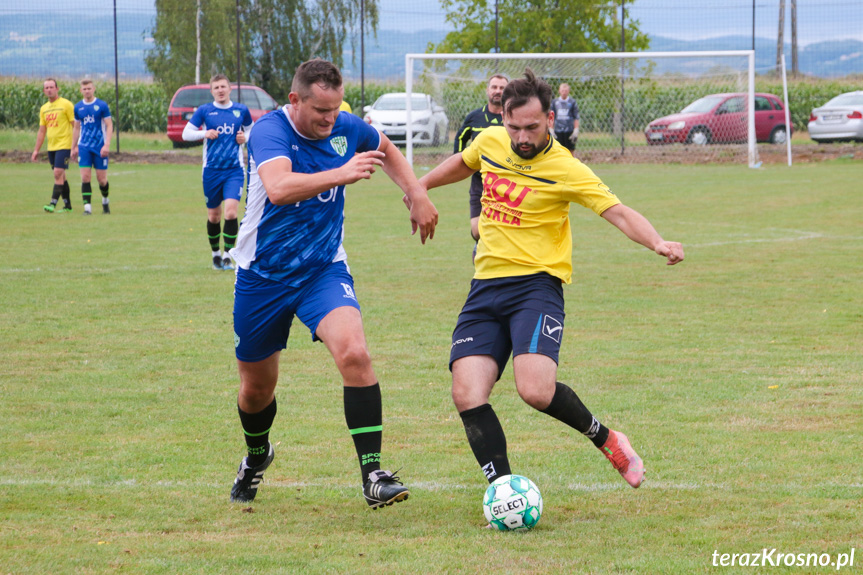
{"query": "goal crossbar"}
(749, 54)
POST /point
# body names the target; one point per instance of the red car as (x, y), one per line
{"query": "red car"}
(719, 119)
(187, 99)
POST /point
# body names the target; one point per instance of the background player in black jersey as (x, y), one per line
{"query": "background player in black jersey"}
(474, 123)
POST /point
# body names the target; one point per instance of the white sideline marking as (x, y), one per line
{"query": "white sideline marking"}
(432, 486)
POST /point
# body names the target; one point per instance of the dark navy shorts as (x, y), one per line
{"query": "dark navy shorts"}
(220, 185)
(475, 195)
(92, 158)
(264, 308)
(59, 159)
(513, 315)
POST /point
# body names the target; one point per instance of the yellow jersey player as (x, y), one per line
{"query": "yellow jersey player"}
(56, 118)
(515, 305)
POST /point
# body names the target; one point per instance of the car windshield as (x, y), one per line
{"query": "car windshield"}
(846, 100)
(702, 105)
(400, 103)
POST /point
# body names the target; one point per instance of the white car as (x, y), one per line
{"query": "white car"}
(840, 119)
(389, 115)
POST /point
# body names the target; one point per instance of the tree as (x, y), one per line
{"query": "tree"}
(538, 26)
(275, 37)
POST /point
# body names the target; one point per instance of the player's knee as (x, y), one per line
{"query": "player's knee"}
(353, 356)
(255, 394)
(535, 396)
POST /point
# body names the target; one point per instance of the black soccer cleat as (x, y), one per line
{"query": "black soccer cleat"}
(106, 209)
(384, 488)
(217, 262)
(248, 478)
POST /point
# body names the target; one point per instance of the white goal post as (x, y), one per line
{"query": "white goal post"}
(618, 94)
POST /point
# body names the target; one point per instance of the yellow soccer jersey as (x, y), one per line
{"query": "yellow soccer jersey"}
(524, 224)
(58, 116)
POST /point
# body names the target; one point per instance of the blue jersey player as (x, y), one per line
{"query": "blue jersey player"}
(91, 142)
(290, 261)
(222, 126)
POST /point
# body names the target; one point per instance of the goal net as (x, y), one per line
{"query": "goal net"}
(629, 103)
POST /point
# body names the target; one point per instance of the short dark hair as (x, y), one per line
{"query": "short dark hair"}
(51, 80)
(498, 76)
(518, 92)
(217, 78)
(316, 71)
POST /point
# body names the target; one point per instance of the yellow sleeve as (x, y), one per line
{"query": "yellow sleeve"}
(470, 155)
(583, 187)
(70, 111)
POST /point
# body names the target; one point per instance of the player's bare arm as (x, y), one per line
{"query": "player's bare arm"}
(109, 132)
(424, 215)
(450, 171)
(284, 186)
(638, 229)
(76, 133)
(40, 139)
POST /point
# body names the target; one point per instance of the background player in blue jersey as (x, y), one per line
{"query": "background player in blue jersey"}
(91, 142)
(290, 261)
(223, 126)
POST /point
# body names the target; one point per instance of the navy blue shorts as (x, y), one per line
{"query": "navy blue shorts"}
(513, 315)
(92, 158)
(264, 308)
(220, 185)
(59, 159)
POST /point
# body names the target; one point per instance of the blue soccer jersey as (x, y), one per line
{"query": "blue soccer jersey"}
(92, 117)
(224, 151)
(290, 243)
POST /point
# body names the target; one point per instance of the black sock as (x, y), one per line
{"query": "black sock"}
(486, 439)
(363, 414)
(67, 195)
(256, 428)
(56, 193)
(104, 189)
(568, 408)
(86, 191)
(214, 232)
(229, 233)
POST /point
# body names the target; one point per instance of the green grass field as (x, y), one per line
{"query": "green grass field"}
(737, 375)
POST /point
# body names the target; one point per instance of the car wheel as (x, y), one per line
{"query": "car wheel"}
(436, 136)
(778, 135)
(699, 137)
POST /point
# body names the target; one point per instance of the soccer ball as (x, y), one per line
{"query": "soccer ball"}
(512, 502)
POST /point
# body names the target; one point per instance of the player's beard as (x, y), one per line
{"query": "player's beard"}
(534, 149)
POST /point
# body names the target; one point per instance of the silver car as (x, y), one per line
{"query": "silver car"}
(389, 115)
(839, 119)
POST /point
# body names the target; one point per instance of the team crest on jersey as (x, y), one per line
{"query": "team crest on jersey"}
(340, 145)
(96, 107)
(237, 113)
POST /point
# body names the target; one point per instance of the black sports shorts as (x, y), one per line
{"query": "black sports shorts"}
(512, 315)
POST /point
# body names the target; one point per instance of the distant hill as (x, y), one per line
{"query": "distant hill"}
(829, 59)
(32, 45)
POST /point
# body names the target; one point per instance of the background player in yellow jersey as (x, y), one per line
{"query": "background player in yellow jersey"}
(515, 305)
(56, 118)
